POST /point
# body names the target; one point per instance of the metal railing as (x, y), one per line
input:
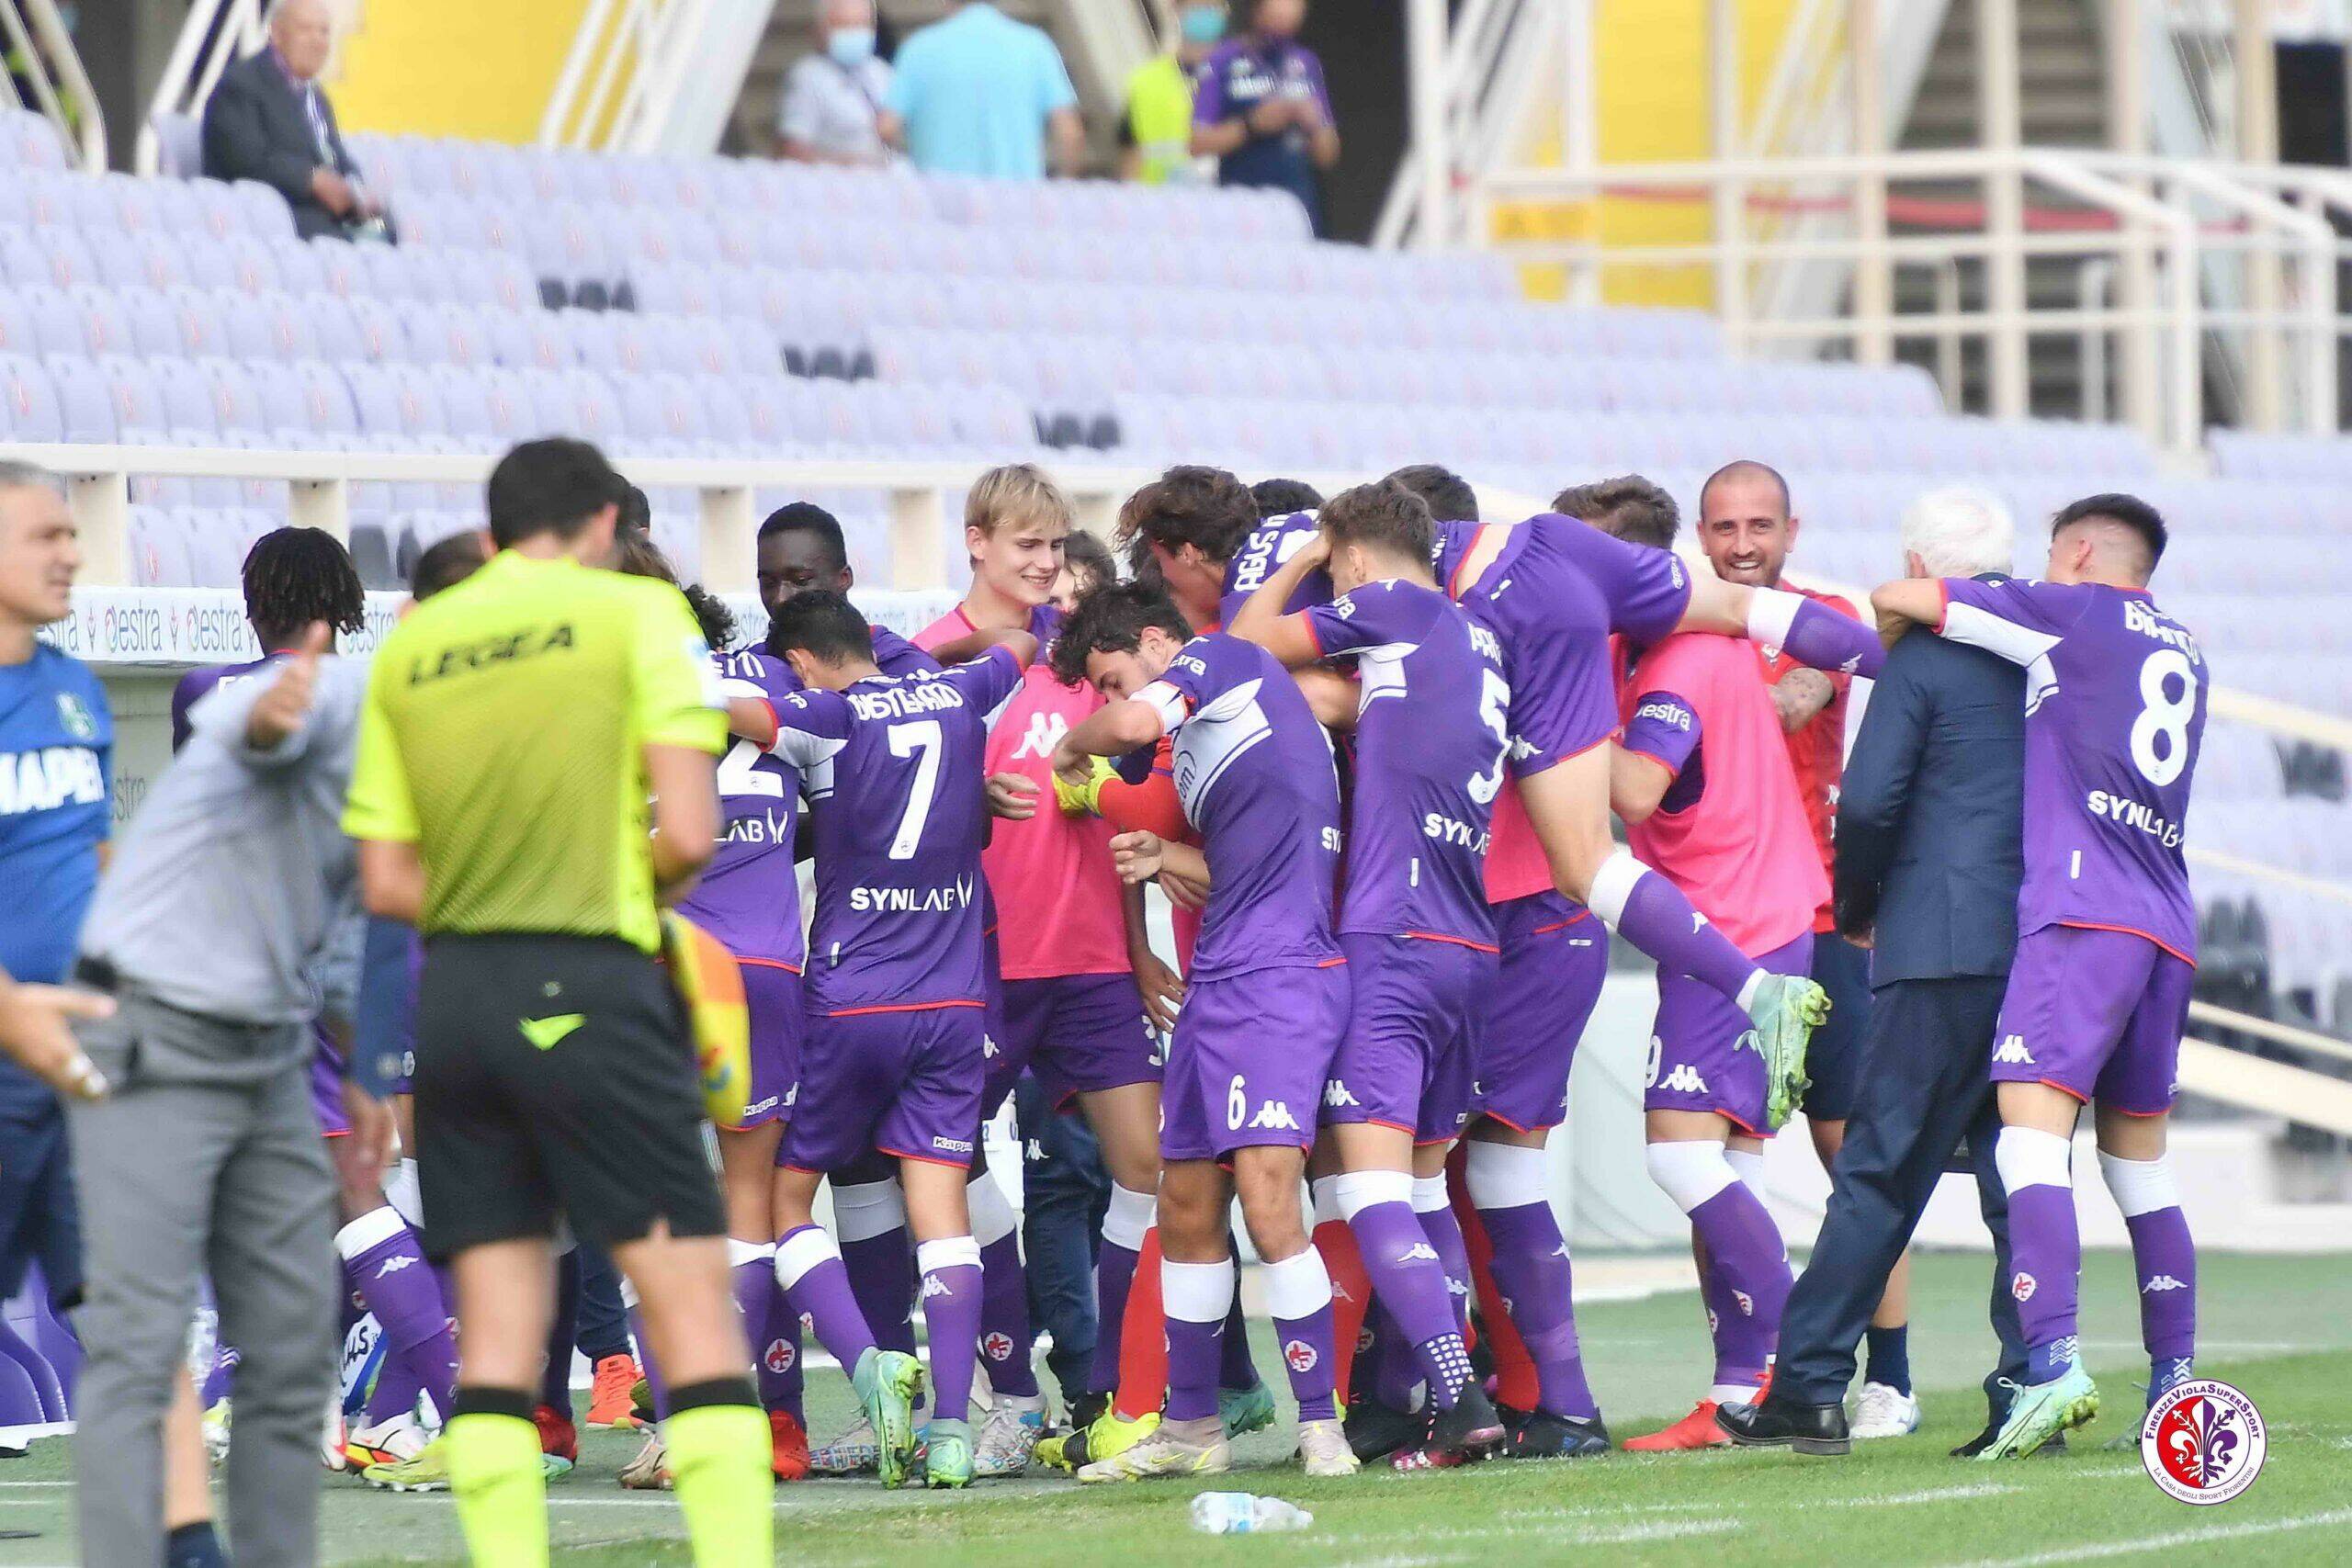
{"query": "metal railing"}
(216, 35)
(44, 74)
(2158, 223)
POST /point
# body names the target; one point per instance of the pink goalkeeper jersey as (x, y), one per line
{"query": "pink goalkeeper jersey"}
(1742, 850)
(1515, 863)
(1057, 895)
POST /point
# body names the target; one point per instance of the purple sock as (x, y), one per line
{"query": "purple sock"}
(1196, 1296)
(1408, 1274)
(952, 1291)
(2046, 1252)
(220, 1378)
(2164, 1260)
(778, 1357)
(1298, 1293)
(880, 1270)
(654, 1384)
(1237, 1369)
(817, 1287)
(1659, 921)
(1114, 1274)
(1531, 1268)
(1452, 1255)
(386, 1268)
(1751, 1264)
(1395, 1372)
(1004, 1333)
(395, 1390)
(752, 1277)
(564, 1328)
(1821, 638)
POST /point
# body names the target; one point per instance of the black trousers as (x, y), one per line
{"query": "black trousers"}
(1923, 1088)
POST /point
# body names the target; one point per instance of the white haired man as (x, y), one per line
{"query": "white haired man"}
(1928, 868)
(269, 121)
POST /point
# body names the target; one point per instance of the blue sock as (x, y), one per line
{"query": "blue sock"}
(2046, 1363)
(1890, 1356)
(2165, 1373)
(194, 1546)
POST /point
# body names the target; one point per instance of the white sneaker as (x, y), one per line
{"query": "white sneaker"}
(216, 1432)
(393, 1440)
(1883, 1412)
(1174, 1448)
(855, 1452)
(331, 1439)
(1008, 1436)
(1323, 1448)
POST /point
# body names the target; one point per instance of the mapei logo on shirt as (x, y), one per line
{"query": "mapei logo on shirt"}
(2012, 1049)
(48, 778)
(75, 716)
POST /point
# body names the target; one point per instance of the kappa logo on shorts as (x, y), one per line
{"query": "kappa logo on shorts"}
(952, 1146)
(1336, 1096)
(2023, 1287)
(1300, 1355)
(2012, 1049)
(997, 1347)
(547, 1033)
(1275, 1114)
(1684, 1079)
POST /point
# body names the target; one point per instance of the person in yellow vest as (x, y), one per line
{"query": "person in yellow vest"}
(1156, 131)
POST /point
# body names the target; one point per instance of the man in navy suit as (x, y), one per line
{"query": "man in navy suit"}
(1929, 859)
(268, 121)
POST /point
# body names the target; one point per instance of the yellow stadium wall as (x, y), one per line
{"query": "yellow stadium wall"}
(480, 69)
(1652, 77)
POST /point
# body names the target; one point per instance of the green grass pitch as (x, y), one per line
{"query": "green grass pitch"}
(2277, 1326)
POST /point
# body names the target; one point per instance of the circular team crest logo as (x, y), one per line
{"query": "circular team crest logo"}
(781, 1354)
(997, 1345)
(1300, 1355)
(2203, 1441)
(2023, 1287)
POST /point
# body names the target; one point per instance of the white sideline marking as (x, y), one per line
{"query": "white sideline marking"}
(2158, 1542)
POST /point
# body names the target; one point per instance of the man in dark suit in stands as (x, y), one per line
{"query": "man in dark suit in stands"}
(268, 121)
(1929, 859)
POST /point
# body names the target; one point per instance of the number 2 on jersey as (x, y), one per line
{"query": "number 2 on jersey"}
(736, 773)
(919, 738)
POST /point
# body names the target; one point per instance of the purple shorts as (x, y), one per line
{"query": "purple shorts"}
(1553, 619)
(326, 1085)
(771, 996)
(2096, 1013)
(1246, 1063)
(1078, 1032)
(906, 1083)
(1697, 1061)
(1554, 957)
(1415, 1017)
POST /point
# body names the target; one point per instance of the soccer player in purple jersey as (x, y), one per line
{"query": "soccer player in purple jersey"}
(294, 578)
(894, 992)
(2107, 931)
(1415, 924)
(1554, 589)
(1265, 999)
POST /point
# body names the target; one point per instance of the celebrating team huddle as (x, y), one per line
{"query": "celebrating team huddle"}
(1370, 752)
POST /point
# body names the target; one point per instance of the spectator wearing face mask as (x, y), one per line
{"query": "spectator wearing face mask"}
(832, 103)
(1156, 131)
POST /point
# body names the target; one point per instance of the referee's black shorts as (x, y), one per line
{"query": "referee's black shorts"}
(554, 1078)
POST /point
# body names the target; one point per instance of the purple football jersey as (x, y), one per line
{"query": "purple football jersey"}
(199, 684)
(894, 655)
(2115, 710)
(892, 768)
(1255, 776)
(1429, 741)
(1267, 549)
(749, 898)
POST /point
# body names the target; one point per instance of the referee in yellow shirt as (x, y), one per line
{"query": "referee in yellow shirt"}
(514, 728)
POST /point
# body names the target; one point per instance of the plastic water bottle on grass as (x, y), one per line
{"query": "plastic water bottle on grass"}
(1240, 1513)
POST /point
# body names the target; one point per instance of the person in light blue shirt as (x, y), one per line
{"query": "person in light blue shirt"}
(981, 93)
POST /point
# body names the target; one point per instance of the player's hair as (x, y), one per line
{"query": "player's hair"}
(445, 564)
(636, 554)
(1090, 560)
(808, 517)
(1628, 507)
(636, 512)
(1112, 619)
(1015, 493)
(1385, 516)
(821, 623)
(2130, 511)
(295, 576)
(1747, 468)
(553, 485)
(1280, 498)
(1959, 531)
(1190, 504)
(1446, 493)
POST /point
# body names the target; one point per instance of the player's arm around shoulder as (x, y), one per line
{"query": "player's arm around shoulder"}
(1291, 639)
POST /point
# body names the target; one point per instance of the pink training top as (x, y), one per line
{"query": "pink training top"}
(1056, 893)
(1515, 863)
(1731, 833)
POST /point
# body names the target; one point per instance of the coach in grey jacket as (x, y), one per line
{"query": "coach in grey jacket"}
(206, 1157)
(1929, 820)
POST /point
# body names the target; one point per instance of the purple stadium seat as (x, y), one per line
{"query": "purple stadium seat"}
(161, 555)
(376, 400)
(84, 396)
(383, 335)
(28, 407)
(330, 413)
(154, 322)
(511, 406)
(331, 327)
(252, 263)
(19, 333)
(261, 212)
(180, 140)
(29, 142)
(105, 327)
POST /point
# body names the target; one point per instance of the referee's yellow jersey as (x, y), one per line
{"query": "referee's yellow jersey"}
(503, 736)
